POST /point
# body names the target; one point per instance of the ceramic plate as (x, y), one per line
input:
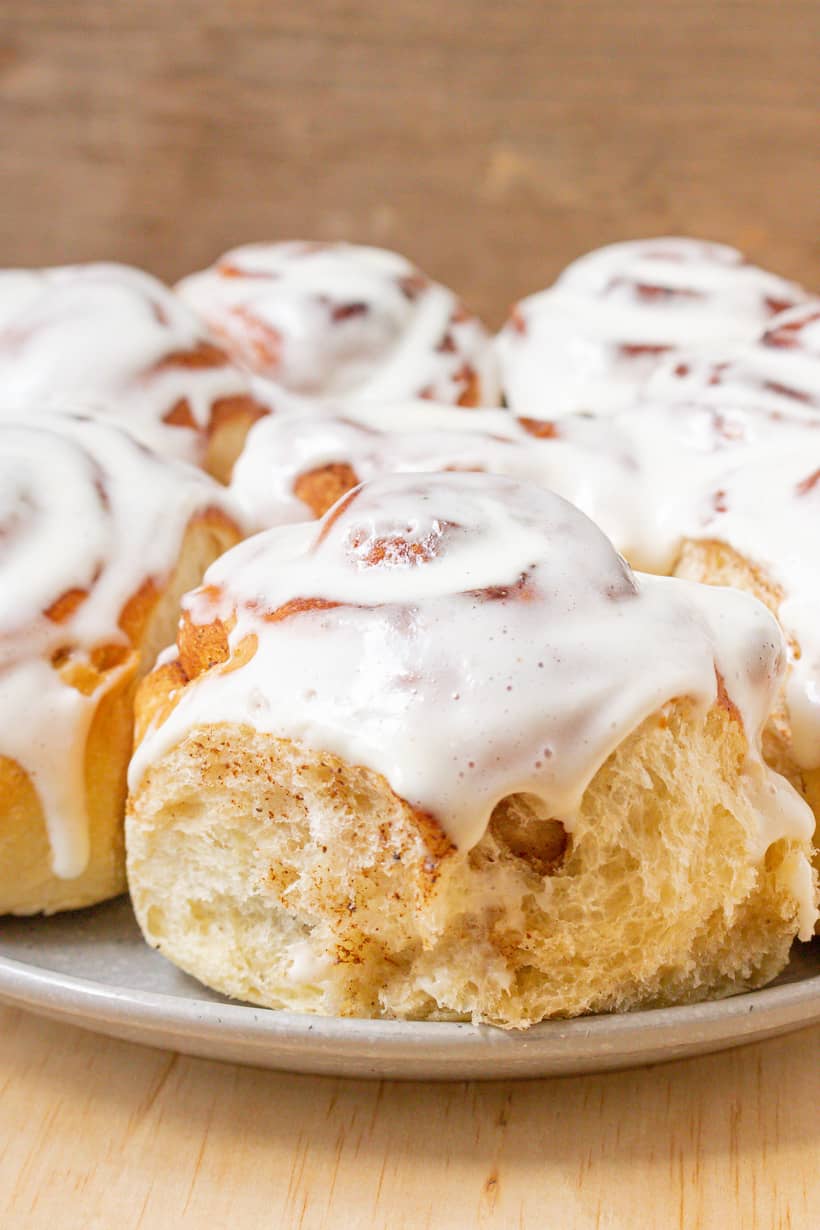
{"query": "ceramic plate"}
(92, 969)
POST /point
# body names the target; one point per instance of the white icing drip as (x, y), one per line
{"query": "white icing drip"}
(653, 477)
(101, 335)
(592, 340)
(795, 874)
(83, 506)
(341, 321)
(486, 639)
(45, 725)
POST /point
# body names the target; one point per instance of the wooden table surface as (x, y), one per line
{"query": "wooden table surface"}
(103, 1135)
(490, 140)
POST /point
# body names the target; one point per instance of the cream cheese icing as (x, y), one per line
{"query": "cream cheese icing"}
(389, 438)
(780, 370)
(650, 477)
(316, 321)
(116, 339)
(470, 637)
(592, 341)
(87, 515)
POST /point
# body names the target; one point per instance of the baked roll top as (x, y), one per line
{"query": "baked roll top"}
(117, 342)
(338, 320)
(591, 341)
(98, 536)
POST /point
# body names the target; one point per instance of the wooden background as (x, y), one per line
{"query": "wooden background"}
(490, 141)
(102, 1135)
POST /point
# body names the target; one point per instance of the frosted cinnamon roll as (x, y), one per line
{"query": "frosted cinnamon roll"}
(318, 321)
(443, 755)
(117, 341)
(98, 539)
(592, 340)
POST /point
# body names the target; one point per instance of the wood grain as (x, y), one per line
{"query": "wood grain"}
(96, 1134)
(491, 141)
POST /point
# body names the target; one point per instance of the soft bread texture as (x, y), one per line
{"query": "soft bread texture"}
(293, 879)
(715, 563)
(231, 420)
(27, 882)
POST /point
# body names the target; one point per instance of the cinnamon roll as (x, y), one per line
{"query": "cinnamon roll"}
(116, 341)
(316, 321)
(99, 537)
(443, 755)
(592, 341)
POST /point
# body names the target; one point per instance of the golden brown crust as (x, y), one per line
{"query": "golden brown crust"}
(27, 885)
(713, 562)
(204, 355)
(63, 608)
(157, 696)
(181, 415)
(542, 429)
(322, 487)
(231, 420)
(108, 674)
(470, 397)
(201, 646)
(299, 606)
(716, 563)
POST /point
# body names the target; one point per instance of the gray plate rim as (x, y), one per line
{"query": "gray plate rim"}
(401, 1049)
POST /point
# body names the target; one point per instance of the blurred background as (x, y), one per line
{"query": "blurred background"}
(491, 142)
